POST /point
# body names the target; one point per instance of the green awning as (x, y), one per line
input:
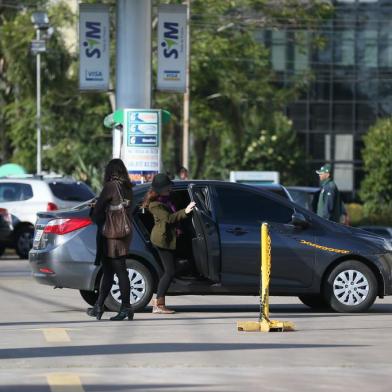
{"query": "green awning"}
(11, 169)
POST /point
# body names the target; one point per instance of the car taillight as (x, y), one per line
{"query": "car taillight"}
(64, 226)
(6, 215)
(51, 207)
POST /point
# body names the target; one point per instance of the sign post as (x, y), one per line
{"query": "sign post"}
(142, 143)
(140, 147)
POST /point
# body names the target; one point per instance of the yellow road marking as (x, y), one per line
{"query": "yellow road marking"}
(56, 335)
(63, 382)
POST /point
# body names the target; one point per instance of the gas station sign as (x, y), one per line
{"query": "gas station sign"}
(141, 143)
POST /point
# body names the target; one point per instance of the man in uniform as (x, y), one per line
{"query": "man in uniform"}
(329, 204)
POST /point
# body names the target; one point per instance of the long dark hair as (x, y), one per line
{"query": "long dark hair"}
(115, 170)
(151, 196)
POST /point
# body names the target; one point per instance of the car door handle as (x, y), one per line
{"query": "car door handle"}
(237, 231)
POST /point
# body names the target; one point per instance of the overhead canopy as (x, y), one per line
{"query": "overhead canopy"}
(117, 118)
(11, 169)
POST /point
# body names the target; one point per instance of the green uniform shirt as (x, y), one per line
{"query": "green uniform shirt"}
(329, 204)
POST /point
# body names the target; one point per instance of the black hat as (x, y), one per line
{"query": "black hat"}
(160, 182)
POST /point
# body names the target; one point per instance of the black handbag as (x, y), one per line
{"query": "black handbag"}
(117, 224)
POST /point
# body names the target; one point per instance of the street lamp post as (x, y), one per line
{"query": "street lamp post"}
(41, 23)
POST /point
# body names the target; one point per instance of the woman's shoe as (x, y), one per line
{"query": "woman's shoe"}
(159, 307)
(123, 314)
(96, 311)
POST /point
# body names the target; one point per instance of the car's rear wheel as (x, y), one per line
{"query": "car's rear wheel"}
(2, 250)
(314, 301)
(142, 286)
(24, 241)
(351, 287)
(89, 296)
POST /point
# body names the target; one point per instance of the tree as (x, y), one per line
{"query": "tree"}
(376, 188)
(234, 91)
(72, 122)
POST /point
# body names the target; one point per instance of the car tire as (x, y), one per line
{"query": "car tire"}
(142, 288)
(24, 241)
(2, 250)
(314, 301)
(89, 296)
(351, 287)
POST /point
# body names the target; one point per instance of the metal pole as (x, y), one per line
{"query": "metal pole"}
(185, 138)
(39, 169)
(133, 56)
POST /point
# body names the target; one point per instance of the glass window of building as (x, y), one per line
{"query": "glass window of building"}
(301, 51)
(278, 50)
(385, 40)
(344, 48)
(368, 48)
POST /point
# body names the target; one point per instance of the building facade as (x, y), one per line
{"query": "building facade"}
(351, 84)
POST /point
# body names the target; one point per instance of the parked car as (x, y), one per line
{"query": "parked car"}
(5, 228)
(23, 197)
(383, 231)
(319, 261)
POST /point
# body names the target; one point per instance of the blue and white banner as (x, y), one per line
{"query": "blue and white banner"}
(93, 47)
(172, 27)
(141, 144)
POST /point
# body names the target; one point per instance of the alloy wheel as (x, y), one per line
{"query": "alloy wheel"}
(138, 286)
(351, 287)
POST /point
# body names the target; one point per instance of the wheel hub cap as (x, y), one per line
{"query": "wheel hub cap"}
(351, 287)
(138, 286)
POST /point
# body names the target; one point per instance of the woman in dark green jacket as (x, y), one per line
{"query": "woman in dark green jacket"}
(164, 233)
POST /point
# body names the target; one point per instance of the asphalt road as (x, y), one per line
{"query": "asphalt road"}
(48, 343)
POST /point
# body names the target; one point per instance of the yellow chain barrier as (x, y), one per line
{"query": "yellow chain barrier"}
(265, 324)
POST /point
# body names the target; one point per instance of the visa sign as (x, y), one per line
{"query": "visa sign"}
(94, 47)
(172, 28)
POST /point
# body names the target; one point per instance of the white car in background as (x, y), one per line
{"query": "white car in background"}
(24, 197)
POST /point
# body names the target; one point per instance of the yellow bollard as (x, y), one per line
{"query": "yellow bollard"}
(265, 324)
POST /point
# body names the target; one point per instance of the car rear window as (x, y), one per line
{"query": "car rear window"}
(71, 191)
(14, 191)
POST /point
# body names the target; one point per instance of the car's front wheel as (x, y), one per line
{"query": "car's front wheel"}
(351, 287)
(2, 250)
(142, 288)
(24, 241)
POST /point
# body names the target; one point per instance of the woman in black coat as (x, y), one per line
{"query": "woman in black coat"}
(111, 253)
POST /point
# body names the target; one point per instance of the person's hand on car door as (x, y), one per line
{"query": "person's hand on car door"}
(190, 207)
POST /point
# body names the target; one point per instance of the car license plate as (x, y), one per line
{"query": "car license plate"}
(38, 236)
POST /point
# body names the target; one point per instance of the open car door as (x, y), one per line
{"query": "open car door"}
(206, 244)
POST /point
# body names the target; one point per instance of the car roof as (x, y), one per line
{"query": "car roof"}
(307, 189)
(184, 184)
(268, 186)
(30, 178)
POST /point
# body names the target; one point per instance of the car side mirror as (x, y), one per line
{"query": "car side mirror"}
(299, 220)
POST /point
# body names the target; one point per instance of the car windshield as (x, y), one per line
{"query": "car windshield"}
(71, 191)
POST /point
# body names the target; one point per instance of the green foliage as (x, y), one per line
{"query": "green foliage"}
(234, 95)
(72, 127)
(376, 188)
(359, 216)
(277, 148)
